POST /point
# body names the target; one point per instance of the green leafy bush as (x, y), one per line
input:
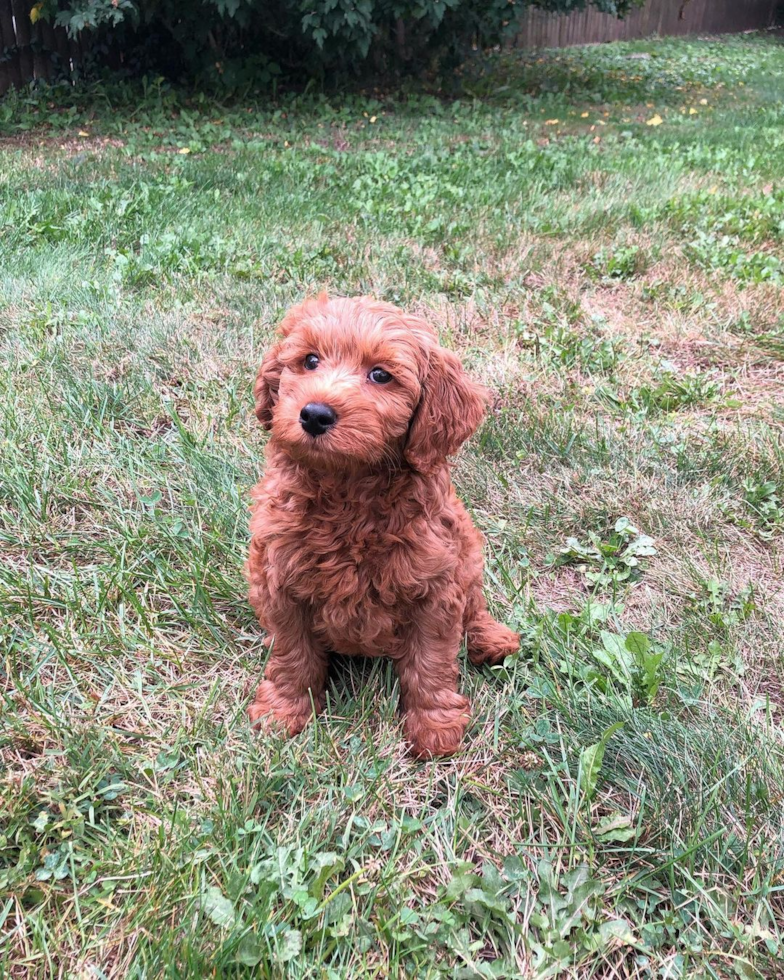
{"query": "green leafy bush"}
(239, 43)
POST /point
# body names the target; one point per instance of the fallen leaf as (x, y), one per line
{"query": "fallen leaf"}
(551, 122)
(655, 120)
(617, 932)
(83, 133)
(703, 101)
(184, 150)
(373, 118)
(291, 946)
(215, 904)
(756, 931)
(616, 827)
(250, 952)
(584, 115)
(692, 111)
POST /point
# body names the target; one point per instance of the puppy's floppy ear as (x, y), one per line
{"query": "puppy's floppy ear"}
(265, 391)
(450, 409)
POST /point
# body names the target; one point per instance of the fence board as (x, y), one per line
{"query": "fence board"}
(11, 70)
(61, 40)
(24, 30)
(48, 50)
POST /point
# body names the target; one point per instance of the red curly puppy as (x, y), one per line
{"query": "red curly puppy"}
(359, 544)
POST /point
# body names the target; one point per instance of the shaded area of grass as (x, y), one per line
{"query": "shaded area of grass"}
(616, 281)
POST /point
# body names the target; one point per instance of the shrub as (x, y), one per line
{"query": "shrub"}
(249, 42)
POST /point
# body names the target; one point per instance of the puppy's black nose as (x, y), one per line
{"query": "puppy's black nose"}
(315, 418)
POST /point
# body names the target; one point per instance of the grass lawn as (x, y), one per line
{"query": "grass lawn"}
(599, 233)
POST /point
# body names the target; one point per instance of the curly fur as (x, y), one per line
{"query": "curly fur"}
(359, 544)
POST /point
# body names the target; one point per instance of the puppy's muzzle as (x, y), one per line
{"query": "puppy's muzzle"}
(316, 418)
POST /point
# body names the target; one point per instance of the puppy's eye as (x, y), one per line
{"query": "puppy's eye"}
(379, 376)
(311, 362)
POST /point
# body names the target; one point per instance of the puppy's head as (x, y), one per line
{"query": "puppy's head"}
(356, 382)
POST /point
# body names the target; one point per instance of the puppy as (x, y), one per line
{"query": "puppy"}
(359, 543)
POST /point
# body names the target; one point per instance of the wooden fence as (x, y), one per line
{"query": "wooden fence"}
(29, 51)
(657, 17)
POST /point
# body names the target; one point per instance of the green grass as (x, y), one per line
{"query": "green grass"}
(618, 806)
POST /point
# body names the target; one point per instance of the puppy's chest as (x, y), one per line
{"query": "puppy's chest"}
(363, 559)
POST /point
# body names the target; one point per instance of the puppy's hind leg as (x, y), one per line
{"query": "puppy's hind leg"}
(487, 640)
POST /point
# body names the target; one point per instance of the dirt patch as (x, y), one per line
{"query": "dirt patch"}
(562, 590)
(760, 389)
(69, 144)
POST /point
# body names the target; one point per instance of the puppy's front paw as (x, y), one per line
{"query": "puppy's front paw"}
(437, 731)
(271, 709)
